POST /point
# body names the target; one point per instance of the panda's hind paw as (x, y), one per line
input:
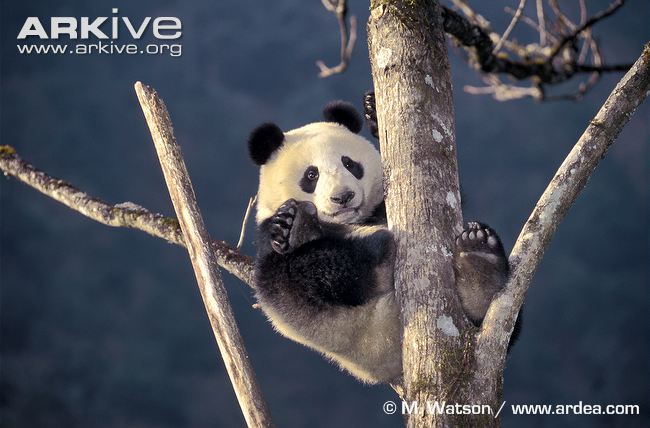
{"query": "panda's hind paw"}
(479, 239)
(292, 225)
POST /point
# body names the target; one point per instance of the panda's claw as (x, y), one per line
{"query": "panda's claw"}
(280, 247)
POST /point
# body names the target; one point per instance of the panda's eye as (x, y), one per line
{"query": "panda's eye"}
(354, 167)
(309, 180)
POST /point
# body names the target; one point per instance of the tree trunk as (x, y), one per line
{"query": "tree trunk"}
(416, 126)
(446, 360)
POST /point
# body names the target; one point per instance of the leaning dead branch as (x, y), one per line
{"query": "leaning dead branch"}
(559, 196)
(348, 37)
(204, 261)
(127, 215)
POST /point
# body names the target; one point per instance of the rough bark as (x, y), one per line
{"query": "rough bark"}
(416, 126)
(126, 214)
(203, 260)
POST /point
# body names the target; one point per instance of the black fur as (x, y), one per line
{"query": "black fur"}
(263, 141)
(309, 179)
(482, 269)
(344, 114)
(354, 167)
(370, 113)
(302, 261)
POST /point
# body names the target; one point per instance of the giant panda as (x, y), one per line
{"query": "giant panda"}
(324, 264)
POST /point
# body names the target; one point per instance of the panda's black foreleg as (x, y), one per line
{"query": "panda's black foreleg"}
(293, 225)
(302, 261)
(482, 269)
(325, 272)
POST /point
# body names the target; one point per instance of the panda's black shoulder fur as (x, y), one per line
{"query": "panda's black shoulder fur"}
(327, 272)
(335, 270)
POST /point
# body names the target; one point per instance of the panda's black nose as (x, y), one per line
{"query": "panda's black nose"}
(343, 197)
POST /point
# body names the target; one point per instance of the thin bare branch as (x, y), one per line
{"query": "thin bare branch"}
(536, 61)
(552, 207)
(475, 18)
(511, 26)
(531, 23)
(617, 4)
(541, 22)
(242, 233)
(505, 92)
(348, 37)
(204, 261)
(563, 20)
(127, 215)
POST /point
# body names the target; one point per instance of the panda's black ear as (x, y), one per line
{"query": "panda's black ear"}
(344, 114)
(263, 141)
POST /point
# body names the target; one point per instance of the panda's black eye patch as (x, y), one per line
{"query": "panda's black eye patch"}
(354, 167)
(309, 179)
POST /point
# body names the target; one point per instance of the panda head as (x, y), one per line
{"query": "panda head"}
(325, 163)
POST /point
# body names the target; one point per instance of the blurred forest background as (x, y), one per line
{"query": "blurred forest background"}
(104, 327)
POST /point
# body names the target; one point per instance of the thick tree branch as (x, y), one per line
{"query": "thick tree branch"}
(550, 210)
(127, 215)
(195, 235)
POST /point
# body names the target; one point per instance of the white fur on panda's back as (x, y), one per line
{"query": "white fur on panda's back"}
(364, 340)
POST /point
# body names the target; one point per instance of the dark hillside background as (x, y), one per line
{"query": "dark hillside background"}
(104, 327)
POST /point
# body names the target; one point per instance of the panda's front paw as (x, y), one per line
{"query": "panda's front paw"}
(280, 228)
(293, 224)
(481, 241)
(370, 113)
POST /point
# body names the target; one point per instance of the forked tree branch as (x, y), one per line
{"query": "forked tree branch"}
(562, 191)
(128, 215)
(195, 235)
